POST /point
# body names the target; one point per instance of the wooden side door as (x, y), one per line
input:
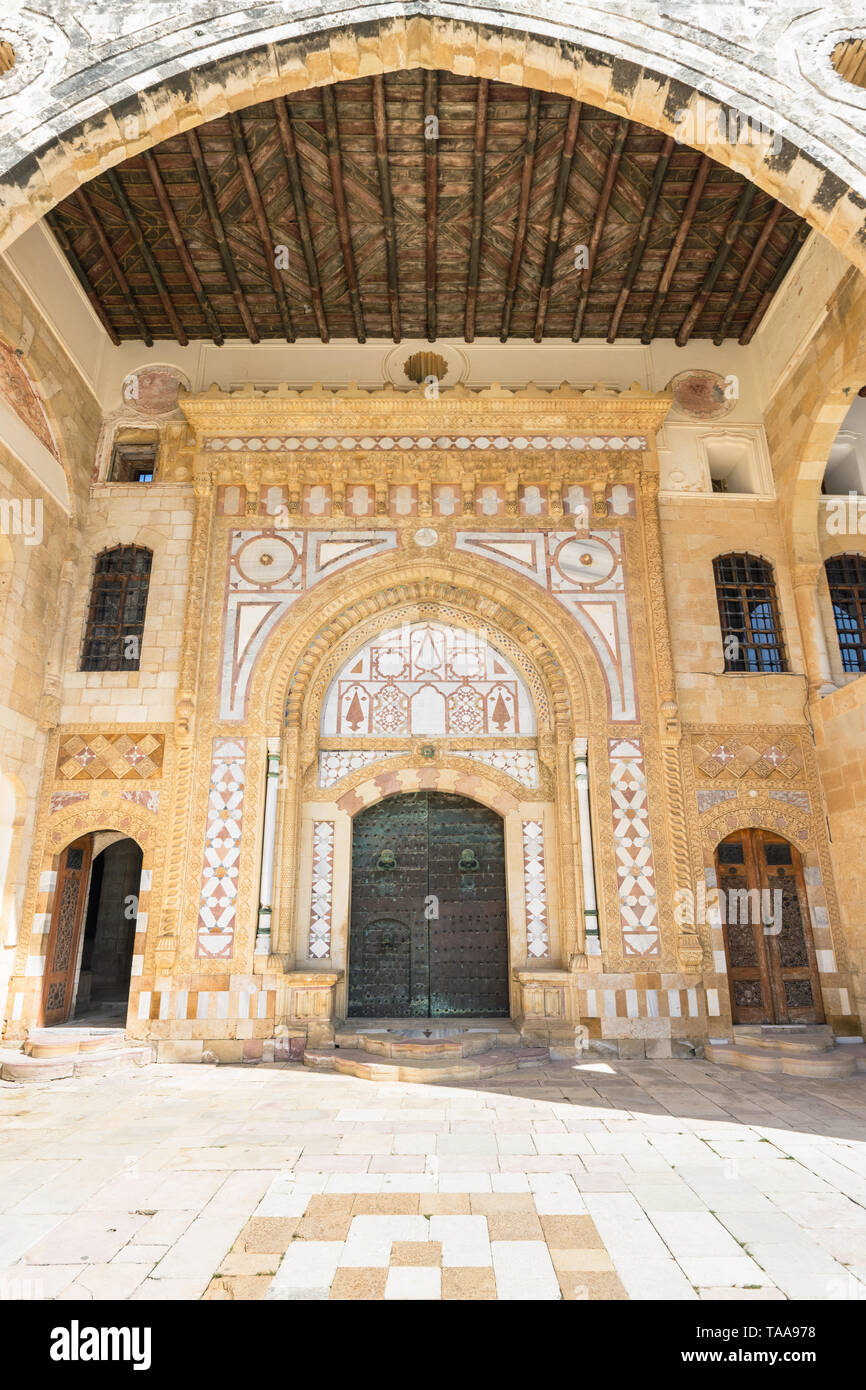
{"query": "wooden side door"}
(791, 958)
(69, 899)
(772, 966)
(748, 966)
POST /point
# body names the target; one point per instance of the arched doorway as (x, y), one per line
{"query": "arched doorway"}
(429, 921)
(92, 933)
(768, 940)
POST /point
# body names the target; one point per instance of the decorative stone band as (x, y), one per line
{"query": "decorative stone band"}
(322, 890)
(519, 763)
(638, 904)
(535, 889)
(338, 763)
(648, 1003)
(282, 443)
(219, 881)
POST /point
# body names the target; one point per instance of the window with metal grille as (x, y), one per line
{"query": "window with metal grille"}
(749, 614)
(846, 577)
(118, 599)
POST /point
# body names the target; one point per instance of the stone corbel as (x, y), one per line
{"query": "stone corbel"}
(467, 486)
(690, 954)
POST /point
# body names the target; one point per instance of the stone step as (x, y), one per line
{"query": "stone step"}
(356, 1062)
(23, 1068)
(837, 1061)
(810, 1038)
(412, 1044)
(67, 1041)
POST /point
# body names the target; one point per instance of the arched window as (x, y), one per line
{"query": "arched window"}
(846, 576)
(749, 614)
(118, 599)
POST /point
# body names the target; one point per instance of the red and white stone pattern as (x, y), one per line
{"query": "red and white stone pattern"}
(148, 799)
(585, 573)
(322, 890)
(427, 679)
(60, 800)
(519, 763)
(219, 880)
(337, 763)
(268, 570)
(283, 443)
(535, 889)
(638, 903)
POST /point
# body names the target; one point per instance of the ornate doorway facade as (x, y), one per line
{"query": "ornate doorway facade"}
(768, 941)
(429, 921)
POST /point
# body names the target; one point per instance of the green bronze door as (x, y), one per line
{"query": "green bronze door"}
(428, 936)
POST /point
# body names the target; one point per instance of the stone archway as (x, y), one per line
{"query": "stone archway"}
(641, 74)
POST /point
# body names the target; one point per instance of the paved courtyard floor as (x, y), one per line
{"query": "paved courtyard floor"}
(601, 1180)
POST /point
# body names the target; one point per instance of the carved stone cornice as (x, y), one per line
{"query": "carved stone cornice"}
(455, 411)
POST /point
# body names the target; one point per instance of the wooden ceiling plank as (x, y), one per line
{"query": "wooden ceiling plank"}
(293, 171)
(146, 254)
(81, 276)
(332, 136)
(522, 212)
(431, 192)
(380, 130)
(478, 165)
(83, 201)
(177, 237)
(784, 266)
(662, 163)
(676, 250)
(566, 159)
(269, 241)
(619, 139)
(743, 283)
(219, 234)
(731, 233)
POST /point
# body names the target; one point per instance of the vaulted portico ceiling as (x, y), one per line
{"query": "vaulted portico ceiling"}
(345, 212)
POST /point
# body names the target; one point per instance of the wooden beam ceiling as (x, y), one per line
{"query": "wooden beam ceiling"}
(425, 205)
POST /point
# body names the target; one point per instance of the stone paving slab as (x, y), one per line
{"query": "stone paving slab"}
(598, 1180)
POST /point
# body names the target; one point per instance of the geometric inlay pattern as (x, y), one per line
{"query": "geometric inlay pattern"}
(322, 891)
(268, 570)
(330, 443)
(638, 904)
(339, 762)
(585, 573)
(219, 880)
(535, 889)
(519, 763)
(754, 757)
(430, 679)
(110, 755)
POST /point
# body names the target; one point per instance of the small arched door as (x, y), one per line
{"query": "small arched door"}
(772, 967)
(429, 921)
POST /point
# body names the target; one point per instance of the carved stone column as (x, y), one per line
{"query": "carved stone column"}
(815, 654)
(592, 939)
(266, 879)
(670, 733)
(571, 933)
(185, 710)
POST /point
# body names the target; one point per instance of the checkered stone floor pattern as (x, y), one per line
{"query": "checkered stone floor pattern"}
(600, 1179)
